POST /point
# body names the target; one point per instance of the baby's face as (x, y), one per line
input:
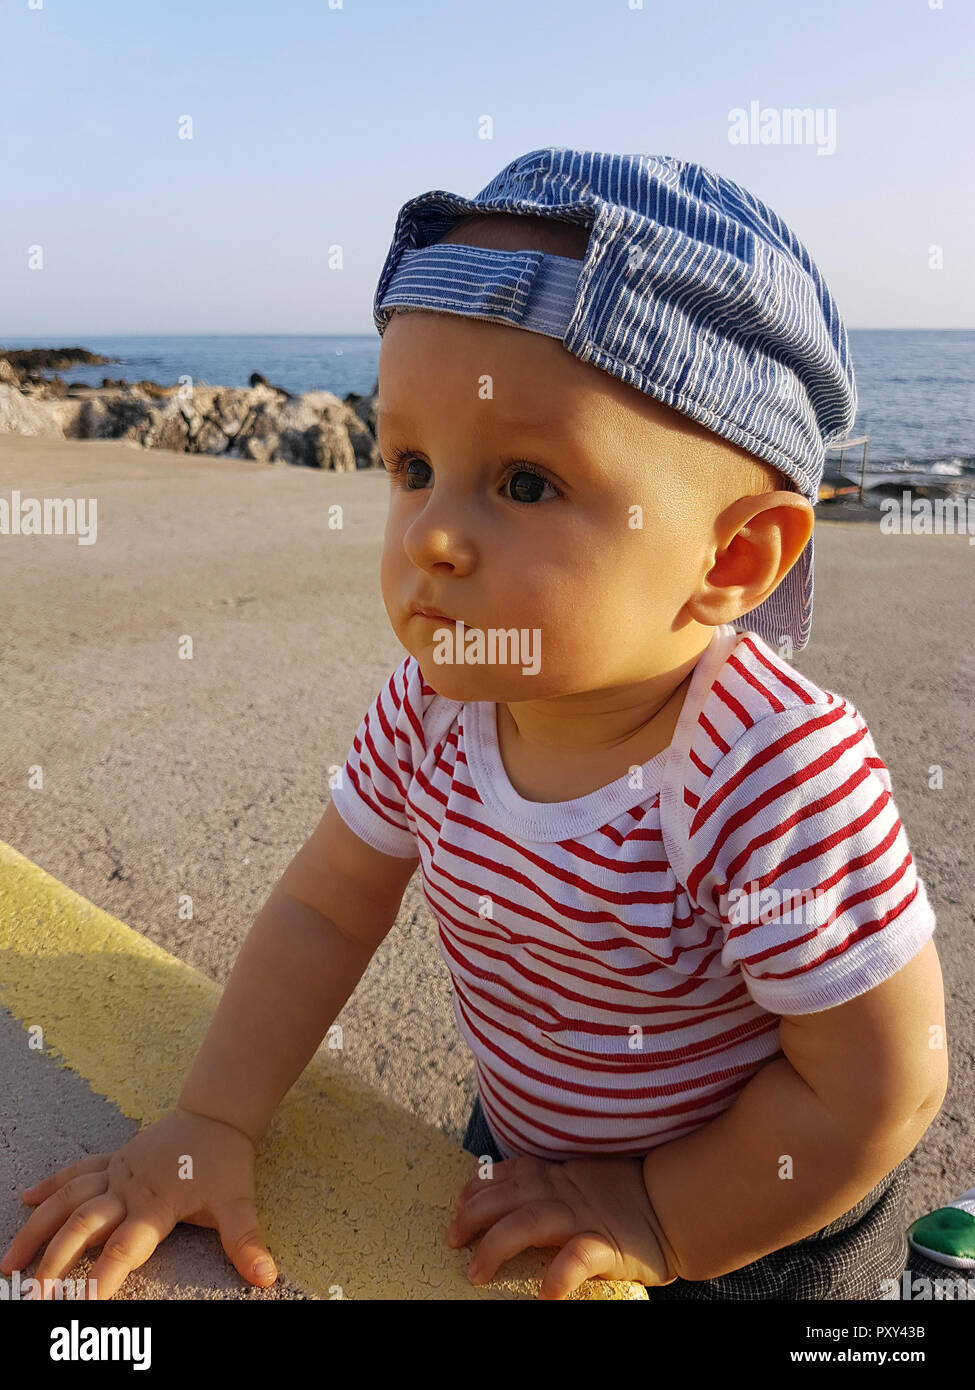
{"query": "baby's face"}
(596, 547)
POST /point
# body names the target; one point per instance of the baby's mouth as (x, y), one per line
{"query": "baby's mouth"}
(433, 617)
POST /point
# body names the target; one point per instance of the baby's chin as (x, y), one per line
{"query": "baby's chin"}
(462, 683)
(468, 684)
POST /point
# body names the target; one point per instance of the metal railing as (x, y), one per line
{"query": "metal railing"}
(843, 444)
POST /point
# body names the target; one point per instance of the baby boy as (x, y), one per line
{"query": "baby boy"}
(689, 949)
(678, 907)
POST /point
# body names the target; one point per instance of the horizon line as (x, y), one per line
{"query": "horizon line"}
(117, 333)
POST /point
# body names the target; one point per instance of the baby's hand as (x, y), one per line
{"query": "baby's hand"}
(130, 1200)
(597, 1210)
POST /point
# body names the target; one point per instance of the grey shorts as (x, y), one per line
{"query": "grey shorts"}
(849, 1258)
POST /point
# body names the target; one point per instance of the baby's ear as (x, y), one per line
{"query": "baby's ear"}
(759, 538)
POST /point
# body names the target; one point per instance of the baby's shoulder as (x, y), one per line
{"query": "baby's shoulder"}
(762, 719)
(756, 693)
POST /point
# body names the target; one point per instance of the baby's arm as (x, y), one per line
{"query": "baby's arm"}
(856, 1090)
(304, 956)
(302, 959)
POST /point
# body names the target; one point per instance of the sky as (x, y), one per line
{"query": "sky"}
(313, 121)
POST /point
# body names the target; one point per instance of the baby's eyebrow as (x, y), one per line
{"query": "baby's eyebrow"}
(532, 424)
(573, 457)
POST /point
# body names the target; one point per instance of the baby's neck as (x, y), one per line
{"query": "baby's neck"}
(541, 771)
(599, 726)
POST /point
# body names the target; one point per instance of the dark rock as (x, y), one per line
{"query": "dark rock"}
(314, 430)
(128, 419)
(54, 359)
(257, 380)
(365, 409)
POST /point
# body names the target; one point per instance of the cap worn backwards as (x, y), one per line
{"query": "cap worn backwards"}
(691, 290)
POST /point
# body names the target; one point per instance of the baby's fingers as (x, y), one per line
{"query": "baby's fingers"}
(240, 1235)
(89, 1225)
(129, 1246)
(41, 1190)
(49, 1217)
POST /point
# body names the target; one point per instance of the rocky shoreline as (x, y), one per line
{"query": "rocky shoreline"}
(261, 422)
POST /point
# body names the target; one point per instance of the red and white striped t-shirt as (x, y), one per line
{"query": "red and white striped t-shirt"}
(619, 961)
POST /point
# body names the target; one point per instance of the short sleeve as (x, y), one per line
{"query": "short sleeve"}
(797, 856)
(371, 794)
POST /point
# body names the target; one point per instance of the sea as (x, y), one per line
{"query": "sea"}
(916, 388)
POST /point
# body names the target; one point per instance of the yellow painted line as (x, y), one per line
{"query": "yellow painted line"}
(352, 1191)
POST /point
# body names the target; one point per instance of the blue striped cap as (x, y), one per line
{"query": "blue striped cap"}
(691, 290)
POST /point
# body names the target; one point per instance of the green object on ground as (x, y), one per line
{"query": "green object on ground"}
(947, 1234)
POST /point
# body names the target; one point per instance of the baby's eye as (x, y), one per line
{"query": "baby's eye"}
(530, 481)
(400, 465)
(534, 485)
